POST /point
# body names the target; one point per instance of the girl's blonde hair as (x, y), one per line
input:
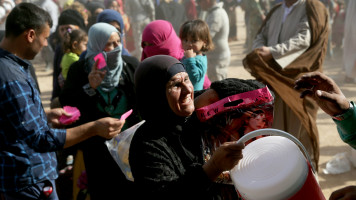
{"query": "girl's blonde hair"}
(198, 30)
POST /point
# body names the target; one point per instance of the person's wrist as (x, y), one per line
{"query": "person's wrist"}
(345, 114)
(89, 90)
(211, 170)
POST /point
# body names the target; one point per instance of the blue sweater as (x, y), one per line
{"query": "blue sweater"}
(196, 68)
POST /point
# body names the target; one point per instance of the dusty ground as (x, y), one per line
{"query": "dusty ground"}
(330, 143)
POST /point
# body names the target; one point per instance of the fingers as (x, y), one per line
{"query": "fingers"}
(95, 66)
(345, 193)
(66, 114)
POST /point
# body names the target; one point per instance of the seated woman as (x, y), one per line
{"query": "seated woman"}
(166, 155)
(102, 92)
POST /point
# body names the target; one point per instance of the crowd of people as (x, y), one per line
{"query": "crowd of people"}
(111, 56)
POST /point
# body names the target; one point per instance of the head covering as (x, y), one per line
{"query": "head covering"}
(98, 36)
(164, 40)
(151, 78)
(71, 16)
(109, 15)
(92, 6)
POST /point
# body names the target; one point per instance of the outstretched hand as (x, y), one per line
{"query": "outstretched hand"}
(108, 127)
(324, 91)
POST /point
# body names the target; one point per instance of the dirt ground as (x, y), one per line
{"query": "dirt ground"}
(330, 143)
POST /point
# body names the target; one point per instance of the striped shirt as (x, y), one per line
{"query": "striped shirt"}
(27, 143)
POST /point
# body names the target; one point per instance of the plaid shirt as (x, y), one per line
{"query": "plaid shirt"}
(27, 144)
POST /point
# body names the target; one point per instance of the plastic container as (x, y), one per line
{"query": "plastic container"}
(273, 167)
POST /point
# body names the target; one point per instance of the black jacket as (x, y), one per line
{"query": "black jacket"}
(104, 175)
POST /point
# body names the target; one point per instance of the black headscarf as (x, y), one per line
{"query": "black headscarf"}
(71, 16)
(151, 78)
(232, 86)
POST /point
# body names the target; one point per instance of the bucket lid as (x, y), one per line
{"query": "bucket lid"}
(273, 167)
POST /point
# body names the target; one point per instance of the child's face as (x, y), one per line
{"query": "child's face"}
(190, 43)
(81, 46)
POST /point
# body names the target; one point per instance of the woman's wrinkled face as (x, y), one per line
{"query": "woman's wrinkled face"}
(180, 94)
(112, 42)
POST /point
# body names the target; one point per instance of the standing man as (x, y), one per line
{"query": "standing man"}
(218, 22)
(28, 161)
(291, 42)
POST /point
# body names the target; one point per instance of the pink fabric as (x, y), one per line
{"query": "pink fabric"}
(254, 97)
(164, 40)
(207, 82)
(70, 110)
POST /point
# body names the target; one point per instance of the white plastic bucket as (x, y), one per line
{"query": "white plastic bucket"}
(274, 168)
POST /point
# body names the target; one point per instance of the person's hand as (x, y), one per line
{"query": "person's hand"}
(265, 53)
(96, 76)
(346, 193)
(324, 91)
(189, 53)
(108, 127)
(53, 116)
(224, 158)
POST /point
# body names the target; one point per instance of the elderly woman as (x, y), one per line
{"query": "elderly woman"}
(166, 156)
(102, 92)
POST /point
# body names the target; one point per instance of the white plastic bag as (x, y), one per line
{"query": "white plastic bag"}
(339, 163)
(119, 147)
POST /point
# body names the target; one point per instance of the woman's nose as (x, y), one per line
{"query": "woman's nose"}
(187, 87)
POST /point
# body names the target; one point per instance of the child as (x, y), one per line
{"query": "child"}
(196, 40)
(74, 43)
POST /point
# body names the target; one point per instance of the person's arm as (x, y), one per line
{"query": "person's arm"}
(295, 45)
(261, 38)
(105, 127)
(332, 101)
(195, 70)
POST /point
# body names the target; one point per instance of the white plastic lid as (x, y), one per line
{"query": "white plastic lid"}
(273, 167)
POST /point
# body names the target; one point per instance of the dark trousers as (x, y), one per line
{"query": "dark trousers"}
(33, 192)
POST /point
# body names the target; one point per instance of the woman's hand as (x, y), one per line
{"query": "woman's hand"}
(96, 76)
(224, 158)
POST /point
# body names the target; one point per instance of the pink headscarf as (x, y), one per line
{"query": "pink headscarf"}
(164, 40)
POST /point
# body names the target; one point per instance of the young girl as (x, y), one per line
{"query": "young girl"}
(74, 43)
(196, 40)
